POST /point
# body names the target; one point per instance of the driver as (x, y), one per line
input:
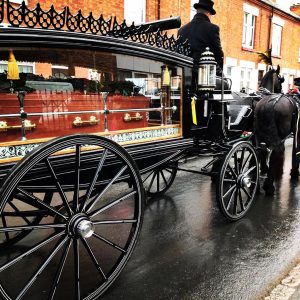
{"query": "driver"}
(201, 33)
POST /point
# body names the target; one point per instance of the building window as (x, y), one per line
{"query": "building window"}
(250, 14)
(248, 30)
(277, 28)
(245, 79)
(276, 39)
(229, 72)
(135, 11)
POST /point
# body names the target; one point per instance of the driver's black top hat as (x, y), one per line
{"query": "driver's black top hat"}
(207, 5)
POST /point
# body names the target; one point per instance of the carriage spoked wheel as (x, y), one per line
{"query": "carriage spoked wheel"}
(158, 180)
(71, 219)
(238, 181)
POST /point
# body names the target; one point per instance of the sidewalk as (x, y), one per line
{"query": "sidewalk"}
(289, 287)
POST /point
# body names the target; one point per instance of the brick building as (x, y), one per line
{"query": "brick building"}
(246, 26)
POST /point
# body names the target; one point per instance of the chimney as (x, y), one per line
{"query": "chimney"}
(295, 9)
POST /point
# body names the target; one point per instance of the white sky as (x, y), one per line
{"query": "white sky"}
(286, 3)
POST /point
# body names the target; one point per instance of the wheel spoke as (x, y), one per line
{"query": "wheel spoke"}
(18, 212)
(229, 190)
(229, 180)
(108, 242)
(30, 251)
(25, 213)
(236, 163)
(59, 270)
(163, 177)
(90, 205)
(246, 192)
(250, 170)
(247, 159)
(148, 175)
(5, 225)
(235, 202)
(241, 200)
(31, 227)
(170, 171)
(242, 159)
(111, 204)
(77, 179)
(230, 199)
(152, 180)
(41, 268)
(41, 203)
(232, 171)
(58, 186)
(157, 181)
(94, 259)
(92, 184)
(108, 222)
(76, 269)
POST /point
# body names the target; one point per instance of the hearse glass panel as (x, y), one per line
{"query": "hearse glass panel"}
(71, 91)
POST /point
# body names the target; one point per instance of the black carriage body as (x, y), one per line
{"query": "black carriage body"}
(46, 42)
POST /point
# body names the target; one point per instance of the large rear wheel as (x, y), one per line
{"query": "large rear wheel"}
(77, 204)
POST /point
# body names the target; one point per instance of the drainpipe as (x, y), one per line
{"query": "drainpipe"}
(158, 9)
(270, 28)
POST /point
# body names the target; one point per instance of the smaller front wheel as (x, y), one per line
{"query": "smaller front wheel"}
(238, 181)
(158, 181)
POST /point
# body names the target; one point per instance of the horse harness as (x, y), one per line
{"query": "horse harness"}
(295, 101)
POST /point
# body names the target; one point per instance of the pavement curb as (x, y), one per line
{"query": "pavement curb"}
(289, 287)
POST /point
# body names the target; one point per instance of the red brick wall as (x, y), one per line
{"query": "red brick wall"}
(107, 8)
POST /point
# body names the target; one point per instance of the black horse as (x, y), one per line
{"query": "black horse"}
(276, 116)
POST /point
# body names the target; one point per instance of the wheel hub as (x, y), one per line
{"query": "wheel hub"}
(81, 226)
(85, 228)
(244, 181)
(247, 182)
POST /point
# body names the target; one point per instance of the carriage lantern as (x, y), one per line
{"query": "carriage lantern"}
(207, 71)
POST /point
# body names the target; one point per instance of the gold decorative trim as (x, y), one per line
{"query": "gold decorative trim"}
(78, 122)
(43, 140)
(128, 118)
(4, 127)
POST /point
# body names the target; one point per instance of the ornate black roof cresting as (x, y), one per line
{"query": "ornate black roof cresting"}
(150, 33)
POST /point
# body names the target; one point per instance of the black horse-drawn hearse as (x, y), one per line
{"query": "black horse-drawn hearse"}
(94, 116)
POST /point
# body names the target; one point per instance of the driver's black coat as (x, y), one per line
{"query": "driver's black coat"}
(201, 33)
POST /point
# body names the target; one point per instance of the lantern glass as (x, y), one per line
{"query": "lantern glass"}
(203, 75)
(207, 76)
(212, 75)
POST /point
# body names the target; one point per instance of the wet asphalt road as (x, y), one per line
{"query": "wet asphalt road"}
(187, 250)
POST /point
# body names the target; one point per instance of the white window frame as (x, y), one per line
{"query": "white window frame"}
(18, 1)
(247, 81)
(135, 11)
(192, 9)
(250, 14)
(277, 29)
(276, 39)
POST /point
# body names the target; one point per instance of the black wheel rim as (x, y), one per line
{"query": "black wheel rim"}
(83, 212)
(238, 181)
(160, 179)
